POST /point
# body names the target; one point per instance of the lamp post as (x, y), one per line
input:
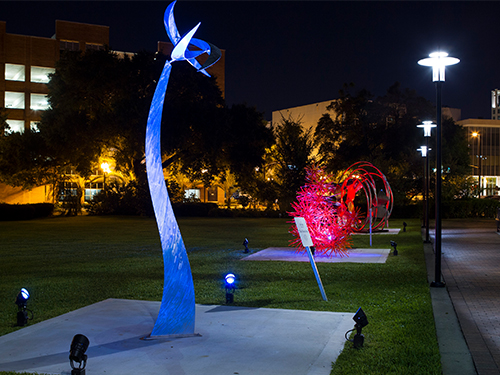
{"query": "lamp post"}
(478, 136)
(427, 126)
(106, 170)
(438, 61)
(424, 150)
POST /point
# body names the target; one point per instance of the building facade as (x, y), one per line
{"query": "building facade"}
(27, 62)
(484, 147)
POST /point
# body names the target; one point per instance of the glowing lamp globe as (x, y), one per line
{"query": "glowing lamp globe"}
(427, 126)
(439, 61)
(230, 278)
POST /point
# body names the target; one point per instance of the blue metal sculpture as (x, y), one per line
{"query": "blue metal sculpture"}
(177, 310)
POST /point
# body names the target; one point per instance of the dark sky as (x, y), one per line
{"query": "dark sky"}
(283, 54)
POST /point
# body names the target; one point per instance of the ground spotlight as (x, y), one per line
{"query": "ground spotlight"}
(394, 245)
(22, 302)
(230, 287)
(361, 321)
(245, 243)
(77, 354)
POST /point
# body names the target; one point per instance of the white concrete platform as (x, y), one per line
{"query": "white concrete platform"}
(234, 340)
(379, 232)
(289, 254)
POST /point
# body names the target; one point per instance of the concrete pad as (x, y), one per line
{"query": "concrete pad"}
(234, 340)
(288, 254)
(379, 232)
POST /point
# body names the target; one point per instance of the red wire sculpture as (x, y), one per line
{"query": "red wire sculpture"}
(329, 209)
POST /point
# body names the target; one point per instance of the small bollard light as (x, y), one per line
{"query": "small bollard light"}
(394, 245)
(230, 287)
(245, 243)
(22, 302)
(404, 226)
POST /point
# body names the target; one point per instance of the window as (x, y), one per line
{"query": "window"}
(39, 102)
(34, 126)
(92, 189)
(212, 194)
(14, 100)
(41, 75)
(192, 194)
(16, 126)
(14, 72)
(68, 190)
(93, 47)
(68, 45)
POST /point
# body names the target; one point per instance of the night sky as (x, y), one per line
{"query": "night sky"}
(283, 54)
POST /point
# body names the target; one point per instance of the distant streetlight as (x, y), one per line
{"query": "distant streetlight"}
(427, 126)
(478, 136)
(106, 170)
(438, 61)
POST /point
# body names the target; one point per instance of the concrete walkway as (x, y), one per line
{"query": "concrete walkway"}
(471, 270)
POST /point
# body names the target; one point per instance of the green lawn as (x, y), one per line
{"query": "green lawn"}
(68, 263)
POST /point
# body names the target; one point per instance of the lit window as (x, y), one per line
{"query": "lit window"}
(34, 126)
(39, 102)
(16, 126)
(14, 72)
(14, 100)
(41, 75)
(192, 193)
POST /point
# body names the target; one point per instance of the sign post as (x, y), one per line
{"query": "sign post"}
(305, 237)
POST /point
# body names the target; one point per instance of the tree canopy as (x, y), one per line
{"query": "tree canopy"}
(383, 131)
(99, 104)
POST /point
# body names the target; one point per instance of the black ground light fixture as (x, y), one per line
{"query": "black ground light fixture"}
(394, 245)
(22, 302)
(404, 226)
(229, 283)
(361, 321)
(77, 354)
(245, 243)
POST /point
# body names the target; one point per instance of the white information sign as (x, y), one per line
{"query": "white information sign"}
(304, 234)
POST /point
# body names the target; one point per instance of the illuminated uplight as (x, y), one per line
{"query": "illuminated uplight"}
(230, 279)
(439, 61)
(427, 126)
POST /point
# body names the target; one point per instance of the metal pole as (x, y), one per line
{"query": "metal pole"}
(437, 243)
(427, 186)
(316, 273)
(480, 158)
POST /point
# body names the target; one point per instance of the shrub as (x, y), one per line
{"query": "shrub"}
(25, 211)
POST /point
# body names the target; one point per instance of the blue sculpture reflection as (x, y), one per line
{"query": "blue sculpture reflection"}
(177, 310)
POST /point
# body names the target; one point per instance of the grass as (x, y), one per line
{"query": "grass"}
(68, 263)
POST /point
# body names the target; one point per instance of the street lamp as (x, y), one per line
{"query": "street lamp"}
(427, 126)
(438, 61)
(106, 170)
(478, 136)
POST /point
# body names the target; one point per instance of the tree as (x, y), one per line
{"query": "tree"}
(292, 153)
(383, 131)
(99, 105)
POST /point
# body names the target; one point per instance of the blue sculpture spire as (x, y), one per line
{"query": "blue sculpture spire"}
(177, 310)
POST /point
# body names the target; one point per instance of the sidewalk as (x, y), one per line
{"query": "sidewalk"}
(470, 268)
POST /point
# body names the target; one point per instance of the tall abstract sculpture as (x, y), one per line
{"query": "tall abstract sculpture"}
(329, 208)
(177, 311)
